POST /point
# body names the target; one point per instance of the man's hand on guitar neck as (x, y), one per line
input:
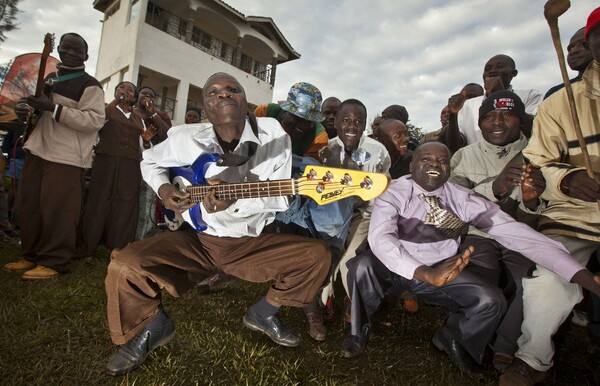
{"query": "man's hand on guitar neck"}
(22, 110)
(210, 201)
(41, 103)
(174, 199)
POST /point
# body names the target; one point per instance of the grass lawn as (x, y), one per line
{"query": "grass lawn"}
(54, 332)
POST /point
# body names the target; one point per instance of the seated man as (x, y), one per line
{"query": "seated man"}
(300, 116)
(353, 150)
(235, 241)
(498, 73)
(329, 109)
(571, 217)
(415, 234)
(495, 168)
(393, 134)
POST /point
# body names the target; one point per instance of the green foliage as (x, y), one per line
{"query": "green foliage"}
(4, 68)
(415, 132)
(8, 17)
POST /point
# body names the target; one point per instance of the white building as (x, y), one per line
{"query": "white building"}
(173, 46)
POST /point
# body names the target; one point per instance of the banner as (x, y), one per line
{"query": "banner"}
(21, 79)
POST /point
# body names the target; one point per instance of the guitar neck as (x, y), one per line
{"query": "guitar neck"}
(245, 190)
(39, 86)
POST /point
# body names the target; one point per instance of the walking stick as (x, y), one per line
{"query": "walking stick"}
(552, 10)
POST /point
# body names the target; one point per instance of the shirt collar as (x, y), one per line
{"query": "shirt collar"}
(247, 135)
(502, 151)
(339, 142)
(591, 81)
(439, 192)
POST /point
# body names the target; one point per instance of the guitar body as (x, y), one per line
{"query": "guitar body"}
(182, 177)
(321, 183)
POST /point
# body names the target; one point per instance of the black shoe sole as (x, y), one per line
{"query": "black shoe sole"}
(255, 327)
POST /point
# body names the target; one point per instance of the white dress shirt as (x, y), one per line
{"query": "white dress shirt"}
(272, 161)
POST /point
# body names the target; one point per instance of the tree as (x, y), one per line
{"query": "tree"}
(8, 17)
(414, 131)
(415, 134)
(4, 67)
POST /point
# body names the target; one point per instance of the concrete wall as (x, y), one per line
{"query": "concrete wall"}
(125, 47)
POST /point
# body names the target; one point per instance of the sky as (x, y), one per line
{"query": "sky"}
(382, 52)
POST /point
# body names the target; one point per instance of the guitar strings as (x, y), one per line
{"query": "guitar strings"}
(264, 189)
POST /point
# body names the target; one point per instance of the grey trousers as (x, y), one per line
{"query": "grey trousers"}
(494, 263)
(475, 306)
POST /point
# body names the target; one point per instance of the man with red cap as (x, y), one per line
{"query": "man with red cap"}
(571, 217)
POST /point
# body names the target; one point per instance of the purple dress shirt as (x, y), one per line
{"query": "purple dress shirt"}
(400, 239)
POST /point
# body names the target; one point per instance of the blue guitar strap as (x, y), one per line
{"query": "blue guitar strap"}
(236, 159)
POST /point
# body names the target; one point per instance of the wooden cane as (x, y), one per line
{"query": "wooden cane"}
(552, 10)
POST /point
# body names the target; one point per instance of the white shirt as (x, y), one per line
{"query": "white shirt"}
(379, 161)
(272, 161)
(468, 115)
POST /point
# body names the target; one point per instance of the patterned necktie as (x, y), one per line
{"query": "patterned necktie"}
(440, 218)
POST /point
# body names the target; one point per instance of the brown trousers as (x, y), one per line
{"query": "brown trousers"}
(51, 201)
(111, 211)
(177, 261)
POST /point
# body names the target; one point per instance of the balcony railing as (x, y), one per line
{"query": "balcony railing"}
(177, 27)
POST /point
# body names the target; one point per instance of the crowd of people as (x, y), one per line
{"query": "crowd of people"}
(494, 216)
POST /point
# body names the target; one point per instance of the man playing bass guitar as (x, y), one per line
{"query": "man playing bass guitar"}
(234, 242)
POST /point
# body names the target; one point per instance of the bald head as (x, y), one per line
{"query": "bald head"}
(500, 66)
(393, 134)
(430, 166)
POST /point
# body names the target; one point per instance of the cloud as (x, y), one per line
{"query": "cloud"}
(415, 53)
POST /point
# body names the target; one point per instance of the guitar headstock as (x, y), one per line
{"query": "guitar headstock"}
(48, 44)
(324, 184)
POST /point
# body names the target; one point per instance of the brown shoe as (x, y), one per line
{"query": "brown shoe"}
(521, 374)
(502, 361)
(21, 265)
(39, 273)
(316, 328)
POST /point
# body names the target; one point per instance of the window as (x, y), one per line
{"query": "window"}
(112, 9)
(134, 11)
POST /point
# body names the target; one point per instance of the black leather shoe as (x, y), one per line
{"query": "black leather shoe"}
(354, 345)
(458, 355)
(158, 332)
(272, 326)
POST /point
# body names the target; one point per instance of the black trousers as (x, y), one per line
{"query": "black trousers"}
(475, 306)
